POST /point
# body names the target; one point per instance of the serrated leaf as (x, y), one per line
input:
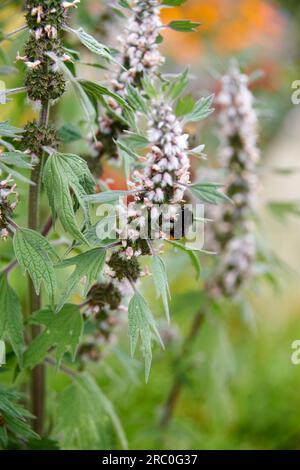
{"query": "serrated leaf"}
(178, 85)
(184, 26)
(161, 282)
(208, 192)
(6, 130)
(61, 331)
(135, 141)
(69, 133)
(15, 417)
(201, 110)
(11, 322)
(142, 324)
(106, 197)
(82, 412)
(198, 151)
(18, 159)
(85, 102)
(67, 176)
(92, 44)
(15, 174)
(96, 90)
(33, 253)
(136, 100)
(149, 87)
(89, 265)
(185, 106)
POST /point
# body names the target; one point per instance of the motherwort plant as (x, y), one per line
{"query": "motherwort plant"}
(106, 269)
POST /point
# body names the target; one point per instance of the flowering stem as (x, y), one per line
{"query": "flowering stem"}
(38, 373)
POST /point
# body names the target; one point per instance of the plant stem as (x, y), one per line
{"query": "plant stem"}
(38, 373)
(176, 388)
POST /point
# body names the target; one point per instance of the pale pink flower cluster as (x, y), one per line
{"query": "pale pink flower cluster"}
(139, 50)
(163, 179)
(231, 233)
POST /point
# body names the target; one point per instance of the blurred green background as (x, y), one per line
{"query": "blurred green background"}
(240, 389)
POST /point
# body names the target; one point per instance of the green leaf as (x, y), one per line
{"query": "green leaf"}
(208, 192)
(149, 87)
(198, 151)
(62, 331)
(67, 177)
(85, 102)
(15, 174)
(122, 144)
(95, 90)
(106, 197)
(124, 4)
(11, 322)
(161, 282)
(136, 141)
(69, 133)
(177, 87)
(89, 265)
(185, 106)
(18, 159)
(142, 324)
(83, 410)
(92, 44)
(173, 3)
(201, 110)
(136, 100)
(15, 417)
(6, 130)
(193, 256)
(184, 26)
(33, 253)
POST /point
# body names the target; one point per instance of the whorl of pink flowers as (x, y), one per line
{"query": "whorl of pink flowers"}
(231, 233)
(139, 49)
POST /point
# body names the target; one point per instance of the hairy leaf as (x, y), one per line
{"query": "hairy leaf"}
(89, 265)
(6, 130)
(11, 322)
(178, 86)
(15, 417)
(201, 110)
(62, 331)
(95, 90)
(18, 159)
(161, 282)
(208, 192)
(83, 410)
(92, 44)
(69, 133)
(33, 253)
(184, 26)
(67, 176)
(107, 197)
(142, 324)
